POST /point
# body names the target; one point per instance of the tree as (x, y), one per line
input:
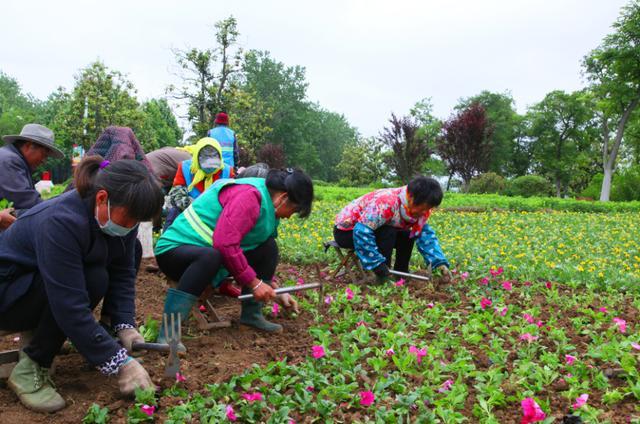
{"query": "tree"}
(465, 143)
(160, 127)
(273, 155)
(16, 108)
(561, 131)
(206, 90)
(362, 163)
(409, 145)
(613, 69)
(100, 98)
(503, 118)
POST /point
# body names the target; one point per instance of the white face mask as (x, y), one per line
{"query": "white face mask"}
(110, 228)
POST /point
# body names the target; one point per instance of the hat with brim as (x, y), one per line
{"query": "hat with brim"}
(38, 134)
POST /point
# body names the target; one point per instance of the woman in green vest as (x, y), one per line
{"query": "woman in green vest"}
(231, 229)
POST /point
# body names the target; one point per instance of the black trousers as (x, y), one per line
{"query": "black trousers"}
(32, 312)
(194, 267)
(387, 239)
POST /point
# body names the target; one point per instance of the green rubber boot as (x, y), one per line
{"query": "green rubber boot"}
(179, 303)
(252, 316)
(34, 387)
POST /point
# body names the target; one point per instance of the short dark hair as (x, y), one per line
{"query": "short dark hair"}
(296, 184)
(425, 191)
(128, 183)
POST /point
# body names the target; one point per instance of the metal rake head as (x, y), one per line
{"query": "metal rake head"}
(172, 334)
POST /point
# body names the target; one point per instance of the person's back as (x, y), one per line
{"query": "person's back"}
(227, 139)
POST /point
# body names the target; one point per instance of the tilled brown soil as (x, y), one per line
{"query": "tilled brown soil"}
(212, 357)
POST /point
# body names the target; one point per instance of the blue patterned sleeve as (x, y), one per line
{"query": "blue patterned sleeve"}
(429, 247)
(364, 241)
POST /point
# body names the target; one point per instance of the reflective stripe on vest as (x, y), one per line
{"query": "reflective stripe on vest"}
(198, 225)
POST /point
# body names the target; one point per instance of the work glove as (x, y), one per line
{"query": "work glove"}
(129, 336)
(132, 375)
(288, 302)
(445, 274)
(382, 273)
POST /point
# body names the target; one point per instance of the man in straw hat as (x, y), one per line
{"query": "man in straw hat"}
(20, 156)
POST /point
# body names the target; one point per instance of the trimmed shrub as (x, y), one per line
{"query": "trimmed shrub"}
(528, 186)
(487, 183)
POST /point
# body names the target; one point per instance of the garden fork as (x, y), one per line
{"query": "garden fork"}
(172, 334)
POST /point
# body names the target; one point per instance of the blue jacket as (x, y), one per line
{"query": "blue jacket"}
(16, 183)
(228, 142)
(58, 239)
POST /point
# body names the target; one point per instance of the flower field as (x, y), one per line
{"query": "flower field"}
(539, 325)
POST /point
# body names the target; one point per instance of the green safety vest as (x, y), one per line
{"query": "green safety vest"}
(196, 225)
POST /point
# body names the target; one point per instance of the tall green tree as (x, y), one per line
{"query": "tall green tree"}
(503, 118)
(16, 107)
(101, 97)
(562, 131)
(613, 68)
(208, 77)
(160, 127)
(362, 163)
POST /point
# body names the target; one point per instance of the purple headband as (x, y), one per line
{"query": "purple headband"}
(104, 164)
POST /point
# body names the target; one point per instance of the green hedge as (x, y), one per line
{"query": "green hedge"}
(457, 201)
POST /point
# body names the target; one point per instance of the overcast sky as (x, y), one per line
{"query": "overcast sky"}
(364, 59)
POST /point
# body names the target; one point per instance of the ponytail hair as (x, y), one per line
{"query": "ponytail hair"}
(296, 184)
(128, 183)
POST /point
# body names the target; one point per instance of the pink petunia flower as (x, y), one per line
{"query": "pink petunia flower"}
(496, 272)
(501, 311)
(367, 398)
(528, 318)
(300, 281)
(275, 309)
(418, 352)
(484, 281)
(548, 285)
(570, 359)
(635, 345)
(148, 409)
(252, 397)
(622, 324)
(328, 300)
(390, 352)
(446, 386)
(464, 275)
(507, 285)
(180, 378)
(400, 282)
(581, 401)
(484, 303)
(349, 293)
(202, 308)
(603, 309)
(318, 351)
(531, 411)
(539, 324)
(430, 305)
(231, 415)
(527, 337)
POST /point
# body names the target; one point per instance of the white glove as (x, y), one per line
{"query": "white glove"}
(132, 375)
(129, 336)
